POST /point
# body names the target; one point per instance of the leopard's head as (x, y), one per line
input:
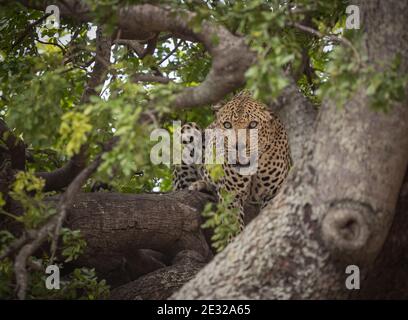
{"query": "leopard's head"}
(251, 116)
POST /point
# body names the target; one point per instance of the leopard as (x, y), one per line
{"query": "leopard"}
(273, 155)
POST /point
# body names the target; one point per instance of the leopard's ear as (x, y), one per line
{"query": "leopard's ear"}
(244, 94)
(269, 112)
(217, 106)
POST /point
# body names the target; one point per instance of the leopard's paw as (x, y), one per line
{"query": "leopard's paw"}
(199, 185)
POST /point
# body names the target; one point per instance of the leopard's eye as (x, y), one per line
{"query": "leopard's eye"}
(253, 124)
(227, 125)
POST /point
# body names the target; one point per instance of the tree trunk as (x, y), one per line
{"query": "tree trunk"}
(338, 203)
(388, 277)
(298, 116)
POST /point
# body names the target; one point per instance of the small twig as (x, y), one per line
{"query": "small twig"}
(152, 117)
(82, 67)
(171, 52)
(141, 77)
(150, 47)
(53, 44)
(34, 265)
(331, 37)
(119, 33)
(16, 245)
(29, 29)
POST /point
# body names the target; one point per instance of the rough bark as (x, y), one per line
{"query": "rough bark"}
(298, 115)
(388, 277)
(335, 209)
(118, 227)
(161, 283)
(140, 77)
(61, 177)
(130, 235)
(337, 205)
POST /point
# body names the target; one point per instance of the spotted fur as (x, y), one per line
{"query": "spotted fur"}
(273, 150)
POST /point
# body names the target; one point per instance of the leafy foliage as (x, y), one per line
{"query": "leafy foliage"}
(27, 191)
(81, 283)
(223, 221)
(43, 73)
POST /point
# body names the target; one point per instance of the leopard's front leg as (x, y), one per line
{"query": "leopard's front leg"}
(203, 186)
(239, 186)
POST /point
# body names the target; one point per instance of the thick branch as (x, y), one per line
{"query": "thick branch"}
(298, 115)
(231, 56)
(61, 177)
(140, 77)
(102, 63)
(119, 224)
(160, 284)
(135, 45)
(122, 230)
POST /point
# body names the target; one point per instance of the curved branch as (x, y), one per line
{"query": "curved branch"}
(141, 77)
(231, 56)
(161, 283)
(330, 37)
(61, 177)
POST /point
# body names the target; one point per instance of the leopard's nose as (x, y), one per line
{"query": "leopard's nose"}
(242, 158)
